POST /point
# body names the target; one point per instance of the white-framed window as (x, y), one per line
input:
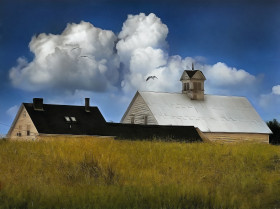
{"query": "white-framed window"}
(70, 119)
(67, 118)
(184, 87)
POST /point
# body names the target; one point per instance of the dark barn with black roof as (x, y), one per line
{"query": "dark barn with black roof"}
(36, 118)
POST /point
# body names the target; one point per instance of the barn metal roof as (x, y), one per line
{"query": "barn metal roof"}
(214, 114)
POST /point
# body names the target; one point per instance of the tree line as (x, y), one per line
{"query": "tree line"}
(274, 126)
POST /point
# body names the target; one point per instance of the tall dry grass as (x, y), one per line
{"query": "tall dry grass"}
(103, 173)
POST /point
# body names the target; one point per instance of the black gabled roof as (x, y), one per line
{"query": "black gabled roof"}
(52, 119)
(191, 72)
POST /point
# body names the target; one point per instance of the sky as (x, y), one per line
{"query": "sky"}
(66, 50)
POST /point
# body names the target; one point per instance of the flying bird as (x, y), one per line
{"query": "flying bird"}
(151, 77)
(75, 48)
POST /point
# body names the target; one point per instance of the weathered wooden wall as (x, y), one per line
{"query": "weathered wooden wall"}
(237, 137)
(139, 110)
(21, 126)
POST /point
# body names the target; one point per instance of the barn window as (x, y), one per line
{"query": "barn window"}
(197, 85)
(70, 119)
(28, 130)
(145, 119)
(132, 119)
(24, 114)
(19, 130)
(67, 119)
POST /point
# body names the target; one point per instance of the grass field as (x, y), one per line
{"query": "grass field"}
(105, 173)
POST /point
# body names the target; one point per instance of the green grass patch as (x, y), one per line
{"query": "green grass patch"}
(104, 173)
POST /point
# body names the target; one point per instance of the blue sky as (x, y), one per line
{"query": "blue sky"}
(106, 55)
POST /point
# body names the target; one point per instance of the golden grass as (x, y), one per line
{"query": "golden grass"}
(89, 172)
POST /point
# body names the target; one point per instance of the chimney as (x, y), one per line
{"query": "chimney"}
(87, 107)
(38, 104)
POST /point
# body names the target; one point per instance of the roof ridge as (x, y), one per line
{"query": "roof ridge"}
(184, 94)
(59, 105)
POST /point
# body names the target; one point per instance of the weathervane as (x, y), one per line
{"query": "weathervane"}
(192, 66)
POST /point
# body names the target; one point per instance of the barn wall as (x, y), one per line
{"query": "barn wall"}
(21, 126)
(139, 110)
(238, 137)
(150, 132)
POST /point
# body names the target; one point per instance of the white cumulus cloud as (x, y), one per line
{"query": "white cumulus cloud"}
(140, 32)
(87, 58)
(276, 90)
(220, 74)
(228, 80)
(82, 57)
(271, 99)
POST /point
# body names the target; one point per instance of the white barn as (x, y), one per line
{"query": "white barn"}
(223, 118)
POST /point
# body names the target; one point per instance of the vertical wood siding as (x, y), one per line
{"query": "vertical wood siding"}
(139, 109)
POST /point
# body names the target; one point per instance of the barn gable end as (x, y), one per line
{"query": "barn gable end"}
(138, 112)
(23, 126)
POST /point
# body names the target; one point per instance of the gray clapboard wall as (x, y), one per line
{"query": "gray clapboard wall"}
(137, 111)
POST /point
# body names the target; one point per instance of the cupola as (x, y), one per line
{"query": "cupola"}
(193, 84)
